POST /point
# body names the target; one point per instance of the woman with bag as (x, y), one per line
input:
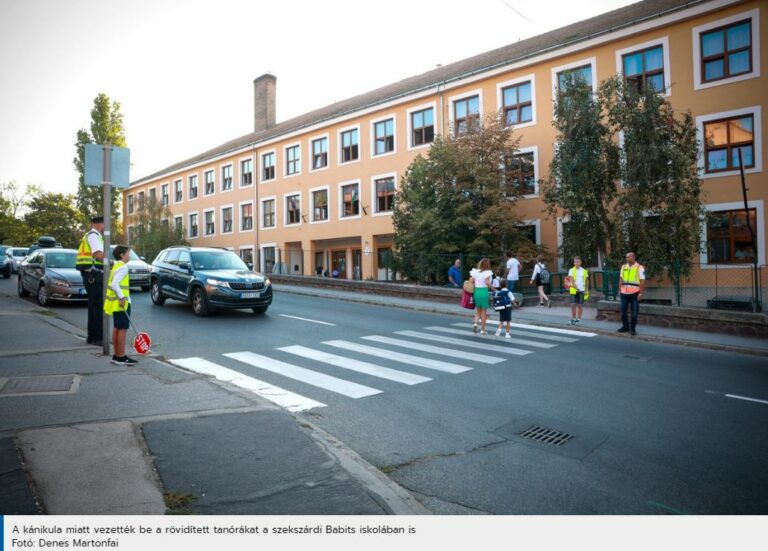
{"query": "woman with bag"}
(481, 277)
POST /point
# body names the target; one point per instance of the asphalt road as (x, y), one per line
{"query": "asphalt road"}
(654, 429)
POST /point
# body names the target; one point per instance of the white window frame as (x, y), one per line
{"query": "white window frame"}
(178, 217)
(755, 111)
(392, 175)
(287, 196)
(130, 203)
(261, 256)
(514, 82)
(591, 61)
(197, 176)
(189, 226)
(754, 15)
(535, 222)
(261, 166)
(409, 124)
(310, 158)
(175, 202)
(285, 162)
(232, 176)
(312, 204)
(261, 212)
(453, 99)
(205, 223)
(240, 216)
(341, 200)
(240, 170)
(245, 248)
(148, 195)
(229, 206)
(168, 187)
(340, 145)
(662, 41)
(373, 123)
(758, 205)
(213, 170)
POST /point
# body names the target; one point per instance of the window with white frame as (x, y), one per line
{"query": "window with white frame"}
(226, 220)
(520, 174)
(320, 205)
(246, 217)
(466, 112)
(194, 231)
(164, 197)
(130, 204)
(246, 255)
(570, 77)
(293, 209)
(153, 195)
(319, 153)
(178, 191)
(268, 166)
(226, 178)
(385, 194)
(350, 145)
(246, 172)
(178, 225)
(292, 160)
(209, 182)
(422, 127)
(192, 181)
(729, 240)
(726, 141)
(517, 103)
(643, 69)
(141, 201)
(268, 213)
(384, 136)
(350, 200)
(726, 50)
(210, 222)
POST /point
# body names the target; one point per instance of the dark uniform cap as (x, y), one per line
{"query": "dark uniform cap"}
(97, 219)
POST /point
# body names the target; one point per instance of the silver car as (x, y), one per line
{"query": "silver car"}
(17, 255)
(51, 275)
(138, 270)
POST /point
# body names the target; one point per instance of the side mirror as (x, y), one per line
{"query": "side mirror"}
(184, 266)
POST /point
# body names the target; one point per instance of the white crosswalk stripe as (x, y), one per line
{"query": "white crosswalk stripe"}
(542, 336)
(532, 344)
(399, 357)
(484, 344)
(356, 365)
(314, 378)
(441, 350)
(555, 330)
(279, 396)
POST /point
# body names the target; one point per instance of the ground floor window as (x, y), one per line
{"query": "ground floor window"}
(728, 237)
(269, 259)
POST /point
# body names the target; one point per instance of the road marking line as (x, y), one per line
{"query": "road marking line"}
(314, 378)
(356, 365)
(399, 357)
(553, 330)
(504, 339)
(746, 398)
(529, 334)
(281, 397)
(435, 349)
(485, 345)
(307, 319)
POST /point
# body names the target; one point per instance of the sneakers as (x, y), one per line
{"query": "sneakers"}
(129, 361)
(483, 332)
(573, 321)
(623, 330)
(498, 332)
(508, 336)
(125, 360)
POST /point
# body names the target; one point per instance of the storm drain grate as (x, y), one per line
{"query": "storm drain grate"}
(38, 385)
(546, 436)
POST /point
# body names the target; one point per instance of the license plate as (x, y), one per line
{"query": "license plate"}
(250, 295)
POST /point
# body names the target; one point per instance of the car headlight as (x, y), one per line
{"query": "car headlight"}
(267, 282)
(211, 281)
(60, 282)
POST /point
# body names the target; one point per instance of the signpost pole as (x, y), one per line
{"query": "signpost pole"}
(107, 212)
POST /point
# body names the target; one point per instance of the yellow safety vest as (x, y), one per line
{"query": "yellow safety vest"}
(84, 259)
(630, 279)
(112, 302)
(572, 272)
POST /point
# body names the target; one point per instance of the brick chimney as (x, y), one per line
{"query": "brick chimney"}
(264, 102)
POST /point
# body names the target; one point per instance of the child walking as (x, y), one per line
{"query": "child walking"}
(118, 304)
(579, 290)
(504, 296)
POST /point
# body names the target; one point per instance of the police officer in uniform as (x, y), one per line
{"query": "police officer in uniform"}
(90, 262)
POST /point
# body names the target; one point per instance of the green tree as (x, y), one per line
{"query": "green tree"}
(154, 230)
(55, 214)
(583, 174)
(106, 129)
(13, 202)
(458, 199)
(661, 204)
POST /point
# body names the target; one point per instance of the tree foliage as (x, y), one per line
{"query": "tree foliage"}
(154, 230)
(106, 129)
(458, 199)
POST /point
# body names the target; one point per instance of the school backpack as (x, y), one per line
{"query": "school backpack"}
(501, 300)
(544, 275)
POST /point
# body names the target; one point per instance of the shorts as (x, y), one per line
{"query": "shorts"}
(506, 314)
(578, 298)
(120, 319)
(481, 297)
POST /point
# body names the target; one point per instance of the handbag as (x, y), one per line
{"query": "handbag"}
(469, 286)
(467, 301)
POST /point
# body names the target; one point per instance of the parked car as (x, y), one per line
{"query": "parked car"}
(6, 264)
(209, 279)
(17, 254)
(138, 270)
(51, 275)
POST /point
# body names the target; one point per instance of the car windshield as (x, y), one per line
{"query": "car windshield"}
(19, 252)
(215, 260)
(60, 260)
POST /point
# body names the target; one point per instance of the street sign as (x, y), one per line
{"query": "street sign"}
(141, 343)
(119, 162)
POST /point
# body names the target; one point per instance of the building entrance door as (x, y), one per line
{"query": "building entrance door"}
(339, 264)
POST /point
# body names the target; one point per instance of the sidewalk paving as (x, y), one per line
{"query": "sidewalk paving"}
(557, 316)
(79, 435)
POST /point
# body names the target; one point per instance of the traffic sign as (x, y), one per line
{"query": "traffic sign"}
(141, 343)
(114, 172)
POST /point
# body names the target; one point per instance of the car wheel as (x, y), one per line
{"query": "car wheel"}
(156, 294)
(42, 295)
(22, 291)
(200, 302)
(259, 309)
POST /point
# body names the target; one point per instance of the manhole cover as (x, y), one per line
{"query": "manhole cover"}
(544, 435)
(54, 384)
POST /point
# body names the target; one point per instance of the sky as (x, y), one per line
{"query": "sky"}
(183, 70)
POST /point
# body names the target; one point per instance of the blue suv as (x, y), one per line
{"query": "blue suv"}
(209, 279)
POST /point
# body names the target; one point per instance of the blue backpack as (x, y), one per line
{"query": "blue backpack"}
(501, 300)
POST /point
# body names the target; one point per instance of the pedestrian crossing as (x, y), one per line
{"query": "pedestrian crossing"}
(362, 359)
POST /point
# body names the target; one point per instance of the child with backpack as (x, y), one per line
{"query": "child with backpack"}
(502, 301)
(541, 277)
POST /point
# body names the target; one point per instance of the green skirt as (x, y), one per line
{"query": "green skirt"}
(481, 297)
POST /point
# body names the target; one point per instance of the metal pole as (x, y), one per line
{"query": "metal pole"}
(107, 213)
(756, 307)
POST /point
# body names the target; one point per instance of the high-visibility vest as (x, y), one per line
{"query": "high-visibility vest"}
(84, 259)
(630, 279)
(572, 273)
(112, 301)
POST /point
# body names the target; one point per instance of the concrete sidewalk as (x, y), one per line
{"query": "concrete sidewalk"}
(557, 316)
(79, 435)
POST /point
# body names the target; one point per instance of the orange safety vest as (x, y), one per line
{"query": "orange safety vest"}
(630, 279)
